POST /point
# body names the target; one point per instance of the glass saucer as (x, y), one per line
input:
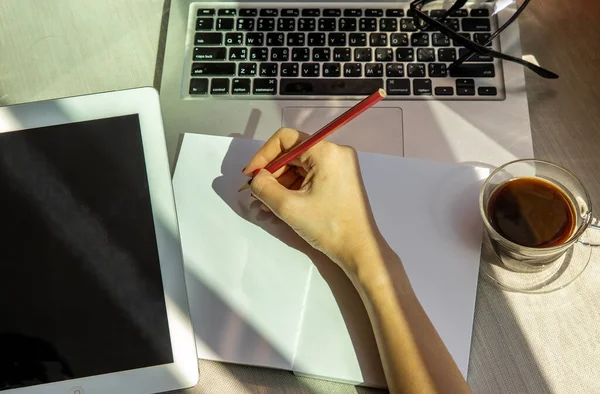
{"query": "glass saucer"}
(554, 277)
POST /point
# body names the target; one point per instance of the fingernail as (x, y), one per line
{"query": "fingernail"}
(253, 196)
(243, 170)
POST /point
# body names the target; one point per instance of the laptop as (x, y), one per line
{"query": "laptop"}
(245, 69)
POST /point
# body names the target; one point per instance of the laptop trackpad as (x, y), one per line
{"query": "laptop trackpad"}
(378, 130)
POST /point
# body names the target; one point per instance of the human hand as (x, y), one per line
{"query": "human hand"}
(320, 195)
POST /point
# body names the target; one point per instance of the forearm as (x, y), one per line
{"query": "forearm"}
(414, 358)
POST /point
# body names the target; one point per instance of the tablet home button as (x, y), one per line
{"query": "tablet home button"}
(76, 390)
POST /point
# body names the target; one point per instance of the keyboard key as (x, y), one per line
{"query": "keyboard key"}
(337, 39)
(378, 39)
(476, 56)
(227, 12)
(259, 54)
(296, 39)
(264, 86)
(206, 12)
(300, 54)
(405, 54)
(310, 69)
(384, 55)
(332, 12)
(465, 35)
(210, 53)
(321, 54)
(465, 91)
(219, 86)
(208, 69)
(426, 55)
(240, 86)
(316, 39)
(452, 23)
(367, 24)
(332, 70)
(248, 12)
(437, 13)
(290, 12)
(461, 82)
(208, 39)
(289, 70)
(268, 70)
(476, 24)
(352, 12)
(399, 39)
(353, 70)
(275, 39)
(388, 24)
(459, 12)
(487, 91)
(255, 39)
(480, 12)
(205, 24)
(247, 69)
(394, 70)
(245, 24)
(342, 54)
(198, 86)
(265, 24)
(422, 87)
(358, 39)
(280, 54)
(374, 12)
(269, 12)
(437, 70)
(444, 91)
(474, 70)
(374, 70)
(238, 53)
(398, 87)
(286, 24)
(482, 38)
(311, 12)
(330, 86)
(446, 54)
(327, 24)
(307, 24)
(225, 23)
(415, 70)
(419, 39)
(347, 24)
(407, 24)
(394, 12)
(234, 39)
(440, 40)
(363, 55)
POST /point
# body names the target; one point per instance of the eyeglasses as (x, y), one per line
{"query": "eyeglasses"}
(425, 22)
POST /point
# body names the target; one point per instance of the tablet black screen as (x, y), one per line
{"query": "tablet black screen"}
(80, 284)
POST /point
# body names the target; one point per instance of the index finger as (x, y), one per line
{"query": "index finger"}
(282, 141)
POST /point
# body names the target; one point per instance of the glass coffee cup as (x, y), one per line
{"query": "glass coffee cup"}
(533, 212)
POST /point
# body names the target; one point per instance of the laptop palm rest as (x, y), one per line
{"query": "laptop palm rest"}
(378, 130)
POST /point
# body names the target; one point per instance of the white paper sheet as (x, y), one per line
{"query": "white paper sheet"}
(261, 296)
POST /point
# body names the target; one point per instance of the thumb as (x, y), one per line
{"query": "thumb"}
(268, 190)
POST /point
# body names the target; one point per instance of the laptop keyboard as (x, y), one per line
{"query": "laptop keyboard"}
(256, 50)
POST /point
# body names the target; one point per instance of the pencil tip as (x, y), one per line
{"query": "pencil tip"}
(246, 186)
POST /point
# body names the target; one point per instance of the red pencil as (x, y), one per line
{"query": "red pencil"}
(322, 134)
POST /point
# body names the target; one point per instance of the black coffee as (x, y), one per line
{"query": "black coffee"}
(531, 212)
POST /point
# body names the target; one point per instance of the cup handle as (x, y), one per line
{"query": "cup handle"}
(592, 236)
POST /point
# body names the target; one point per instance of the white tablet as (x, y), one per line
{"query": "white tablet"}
(92, 292)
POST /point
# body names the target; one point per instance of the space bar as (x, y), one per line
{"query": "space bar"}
(329, 87)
